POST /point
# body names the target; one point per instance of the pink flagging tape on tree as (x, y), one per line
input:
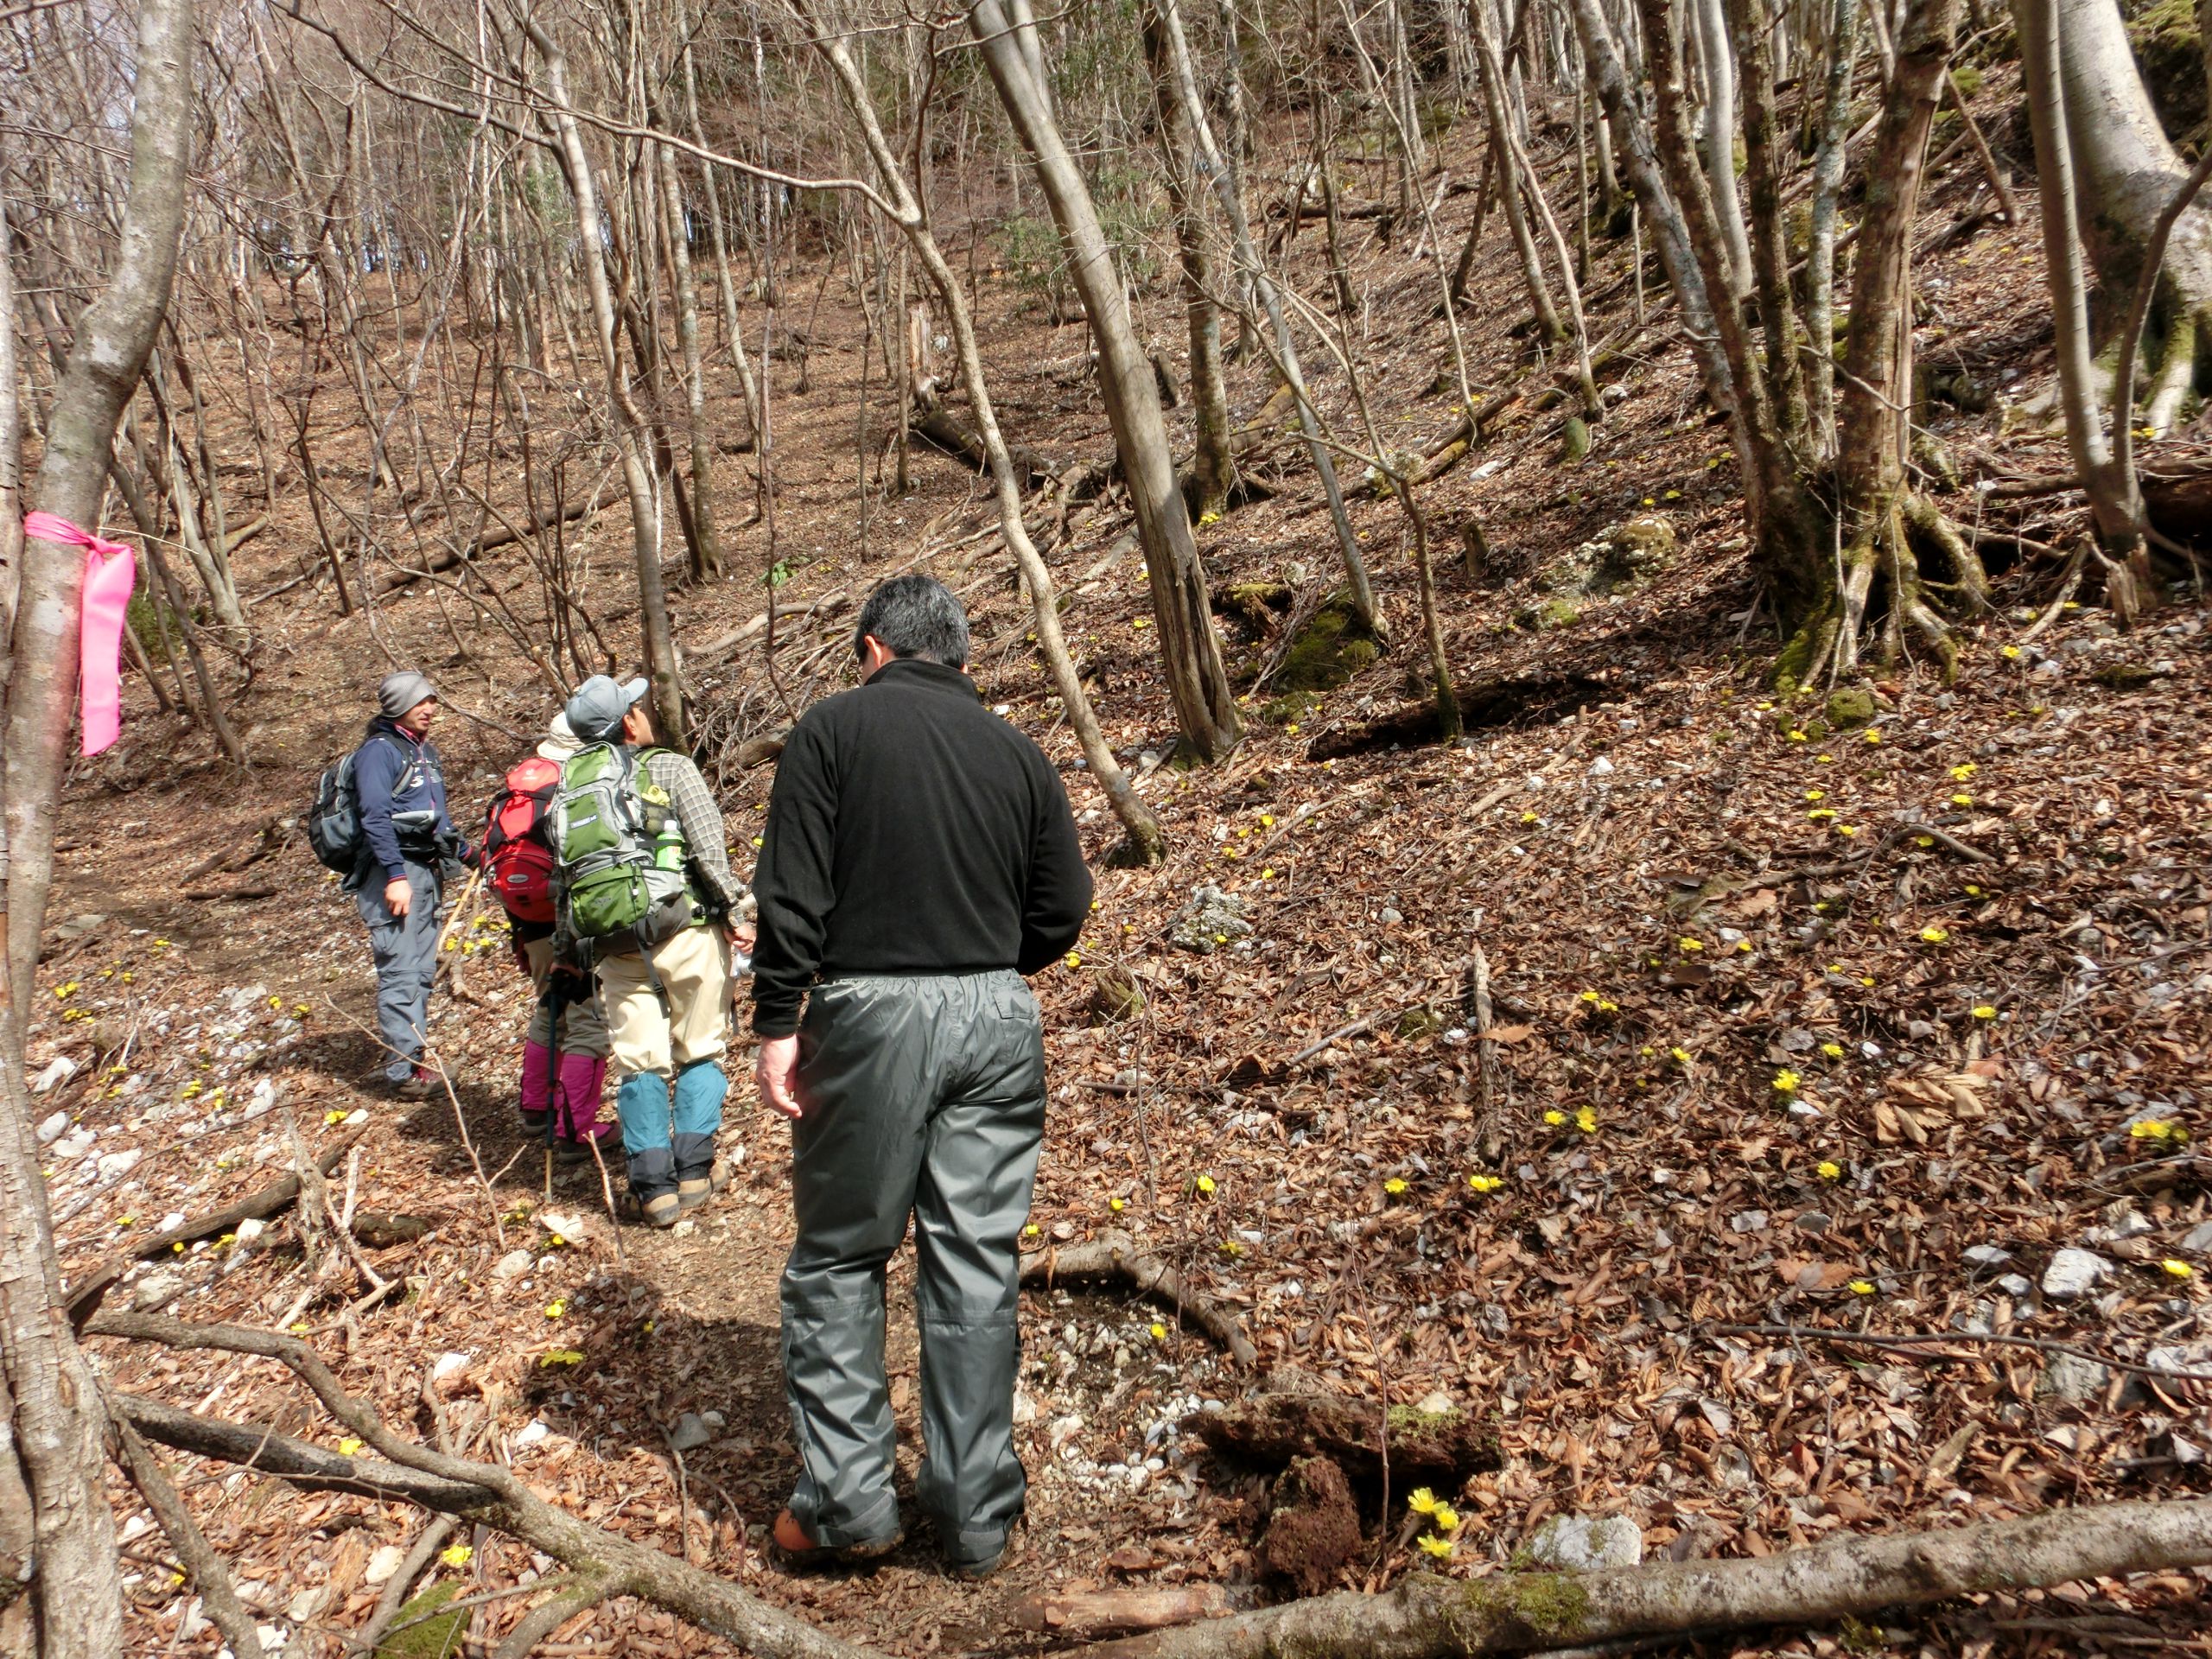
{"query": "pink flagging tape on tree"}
(108, 578)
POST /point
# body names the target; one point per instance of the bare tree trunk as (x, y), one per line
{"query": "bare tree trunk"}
(1213, 468)
(2116, 501)
(706, 545)
(55, 1422)
(1719, 61)
(628, 423)
(1191, 652)
(1827, 181)
(1221, 172)
(1147, 840)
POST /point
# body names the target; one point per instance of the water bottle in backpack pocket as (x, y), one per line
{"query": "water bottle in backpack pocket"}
(621, 848)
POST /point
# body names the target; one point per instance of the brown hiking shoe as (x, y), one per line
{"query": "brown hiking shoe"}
(660, 1211)
(694, 1190)
(798, 1550)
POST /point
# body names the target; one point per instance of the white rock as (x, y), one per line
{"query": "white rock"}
(248, 1231)
(532, 1432)
(1584, 1543)
(74, 1145)
(57, 1073)
(133, 1529)
(359, 1114)
(513, 1265)
(1986, 1255)
(50, 1130)
(1025, 1408)
(1063, 1430)
(156, 1290)
(2074, 1273)
(447, 1365)
(1601, 767)
(114, 1165)
(690, 1433)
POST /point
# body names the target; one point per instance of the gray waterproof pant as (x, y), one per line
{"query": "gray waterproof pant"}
(406, 952)
(925, 1095)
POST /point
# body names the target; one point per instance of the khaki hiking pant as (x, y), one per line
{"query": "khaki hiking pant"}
(645, 1036)
(583, 1024)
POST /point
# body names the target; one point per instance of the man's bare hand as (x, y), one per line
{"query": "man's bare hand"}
(777, 1072)
(398, 896)
(744, 935)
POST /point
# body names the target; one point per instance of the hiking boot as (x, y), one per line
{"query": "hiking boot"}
(419, 1085)
(660, 1211)
(798, 1551)
(566, 1153)
(694, 1190)
(533, 1124)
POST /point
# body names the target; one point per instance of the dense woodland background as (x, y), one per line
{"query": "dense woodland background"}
(1618, 589)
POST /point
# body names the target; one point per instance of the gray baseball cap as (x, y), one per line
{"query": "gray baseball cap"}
(397, 693)
(596, 709)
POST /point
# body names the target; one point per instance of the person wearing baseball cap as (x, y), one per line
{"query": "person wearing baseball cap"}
(398, 880)
(664, 991)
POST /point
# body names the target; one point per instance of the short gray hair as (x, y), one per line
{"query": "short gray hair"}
(914, 616)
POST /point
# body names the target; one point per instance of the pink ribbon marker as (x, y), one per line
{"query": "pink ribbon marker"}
(108, 580)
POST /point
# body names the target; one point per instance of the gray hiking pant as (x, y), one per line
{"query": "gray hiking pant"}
(406, 952)
(922, 1095)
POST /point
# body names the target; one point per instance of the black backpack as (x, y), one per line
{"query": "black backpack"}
(335, 816)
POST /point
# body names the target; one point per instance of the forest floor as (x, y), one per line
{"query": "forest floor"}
(1800, 1031)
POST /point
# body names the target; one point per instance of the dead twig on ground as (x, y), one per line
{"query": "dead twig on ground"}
(1114, 1254)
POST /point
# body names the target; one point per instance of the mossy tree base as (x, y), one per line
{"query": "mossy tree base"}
(1899, 575)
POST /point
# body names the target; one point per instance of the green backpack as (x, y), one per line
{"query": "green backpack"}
(621, 847)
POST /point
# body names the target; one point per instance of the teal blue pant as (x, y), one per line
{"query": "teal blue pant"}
(662, 1142)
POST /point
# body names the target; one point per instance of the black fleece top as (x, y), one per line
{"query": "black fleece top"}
(910, 831)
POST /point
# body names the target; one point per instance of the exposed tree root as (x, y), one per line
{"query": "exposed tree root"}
(1114, 1254)
(606, 1563)
(1364, 1436)
(1878, 595)
(1516, 1611)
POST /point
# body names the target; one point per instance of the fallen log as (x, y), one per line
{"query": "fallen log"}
(1513, 1612)
(945, 431)
(606, 1564)
(722, 645)
(1114, 1254)
(1362, 1436)
(490, 540)
(1086, 1614)
(258, 1205)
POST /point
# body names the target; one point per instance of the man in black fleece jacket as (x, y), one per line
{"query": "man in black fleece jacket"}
(919, 859)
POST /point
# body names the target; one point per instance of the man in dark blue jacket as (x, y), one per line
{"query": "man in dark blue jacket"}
(406, 839)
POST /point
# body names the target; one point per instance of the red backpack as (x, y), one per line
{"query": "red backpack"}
(518, 860)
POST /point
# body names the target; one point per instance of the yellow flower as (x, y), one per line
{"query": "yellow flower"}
(1874, 736)
(1555, 1117)
(1445, 1518)
(1681, 1056)
(1825, 759)
(2011, 653)
(125, 1221)
(1075, 958)
(1589, 996)
(1963, 770)
(2178, 1269)
(1973, 892)
(1266, 820)
(1861, 1287)
(1846, 829)
(1293, 728)
(1797, 737)
(1690, 947)
(329, 1118)
(1785, 1082)
(1159, 1331)
(1984, 1012)
(1203, 1183)
(348, 1446)
(556, 1307)
(1267, 874)
(2153, 1129)
(1828, 1170)
(1528, 817)
(1423, 1502)
(1431, 1545)
(1933, 935)
(1822, 814)
(300, 1329)
(1231, 1247)
(1816, 794)
(1484, 1184)
(1032, 1230)
(1962, 798)
(1116, 1205)
(1396, 1186)
(1586, 1120)
(1833, 1051)
(456, 1554)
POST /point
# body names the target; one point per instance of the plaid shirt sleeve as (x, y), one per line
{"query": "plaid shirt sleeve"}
(703, 831)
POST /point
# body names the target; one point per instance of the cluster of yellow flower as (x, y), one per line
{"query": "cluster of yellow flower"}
(1441, 1517)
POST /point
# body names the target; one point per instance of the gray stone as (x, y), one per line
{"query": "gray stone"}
(1986, 1255)
(2181, 1357)
(513, 1265)
(690, 1433)
(2074, 1273)
(1211, 920)
(2070, 1376)
(1582, 1543)
(156, 1289)
(50, 1130)
(2199, 1238)
(1748, 1221)
(2015, 1285)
